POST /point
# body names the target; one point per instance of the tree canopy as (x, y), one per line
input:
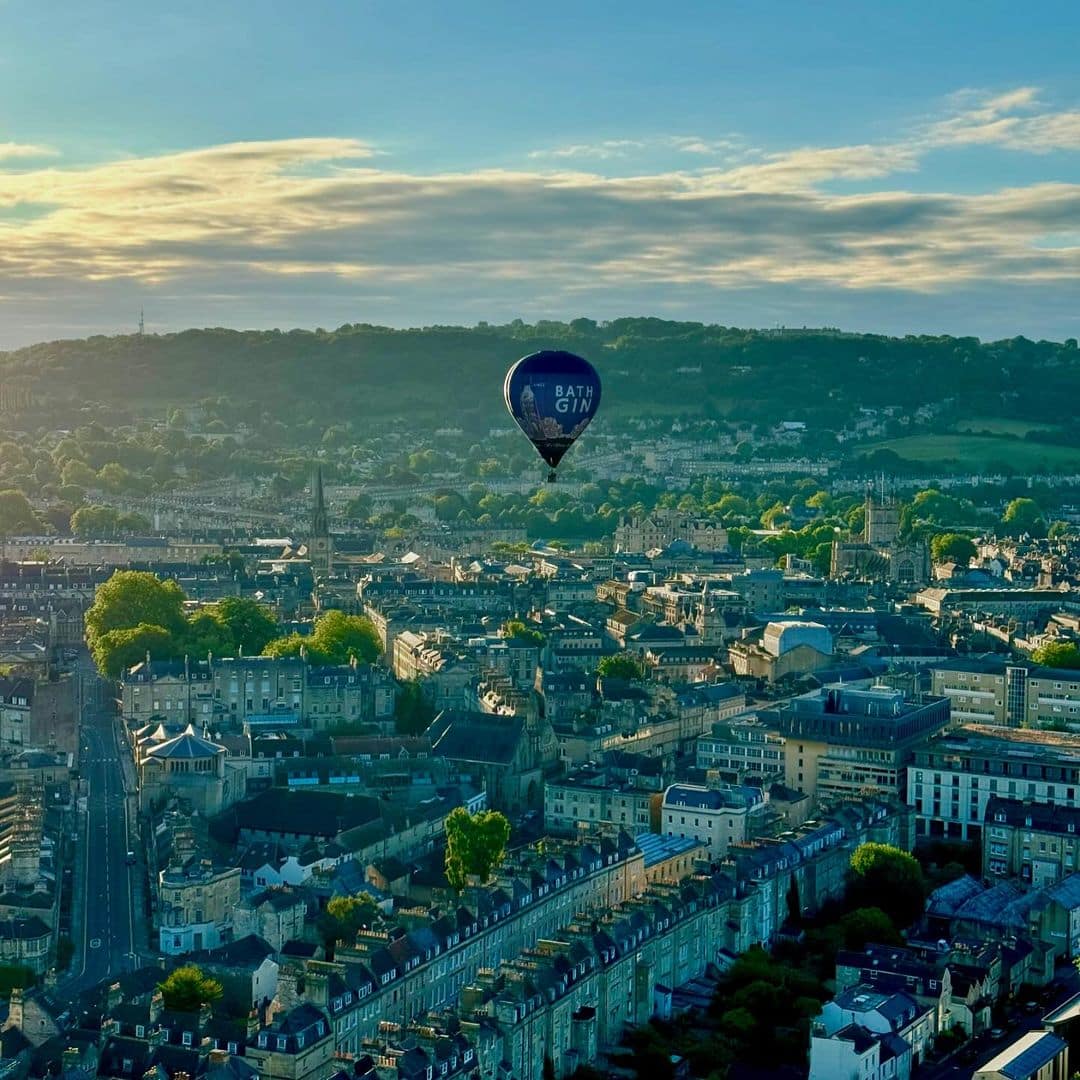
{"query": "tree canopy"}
(1057, 654)
(520, 631)
(135, 613)
(475, 844)
(620, 666)
(343, 917)
(1023, 516)
(888, 878)
(17, 515)
(953, 547)
(335, 639)
(187, 988)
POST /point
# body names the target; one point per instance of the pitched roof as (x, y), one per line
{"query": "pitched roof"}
(475, 736)
(188, 745)
(306, 813)
(1025, 1057)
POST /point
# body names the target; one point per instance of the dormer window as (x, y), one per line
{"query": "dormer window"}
(281, 1042)
(185, 1038)
(140, 1031)
(263, 1040)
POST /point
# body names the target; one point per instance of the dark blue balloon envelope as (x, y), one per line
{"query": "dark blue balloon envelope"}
(553, 396)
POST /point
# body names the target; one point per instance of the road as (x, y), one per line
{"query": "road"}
(960, 1065)
(104, 946)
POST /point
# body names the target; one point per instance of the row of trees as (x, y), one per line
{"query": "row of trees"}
(136, 614)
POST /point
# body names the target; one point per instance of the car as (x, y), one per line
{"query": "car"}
(130, 860)
(1031, 1006)
(996, 1033)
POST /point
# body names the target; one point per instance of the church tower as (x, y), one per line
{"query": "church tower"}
(882, 518)
(320, 546)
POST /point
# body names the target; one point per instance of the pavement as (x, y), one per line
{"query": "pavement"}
(106, 911)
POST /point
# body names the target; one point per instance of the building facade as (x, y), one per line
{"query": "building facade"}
(954, 776)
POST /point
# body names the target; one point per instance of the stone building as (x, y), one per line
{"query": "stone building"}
(881, 553)
(197, 900)
(191, 768)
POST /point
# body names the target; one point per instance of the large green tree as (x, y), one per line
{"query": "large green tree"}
(953, 547)
(620, 666)
(335, 639)
(134, 610)
(889, 878)
(520, 631)
(1023, 516)
(1057, 654)
(17, 515)
(342, 917)
(131, 597)
(250, 624)
(116, 651)
(186, 989)
(475, 844)
(867, 925)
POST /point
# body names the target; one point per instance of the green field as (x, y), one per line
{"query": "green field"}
(978, 453)
(1002, 425)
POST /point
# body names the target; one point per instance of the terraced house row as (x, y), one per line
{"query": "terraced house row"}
(571, 943)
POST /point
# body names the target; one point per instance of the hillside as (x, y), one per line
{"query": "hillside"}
(454, 374)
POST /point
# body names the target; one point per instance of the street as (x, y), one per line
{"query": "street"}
(104, 945)
(962, 1063)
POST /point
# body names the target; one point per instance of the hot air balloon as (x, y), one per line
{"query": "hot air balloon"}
(553, 396)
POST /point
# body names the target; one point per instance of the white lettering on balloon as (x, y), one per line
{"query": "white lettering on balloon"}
(573, 398)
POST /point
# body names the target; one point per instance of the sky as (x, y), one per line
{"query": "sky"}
(901, 168)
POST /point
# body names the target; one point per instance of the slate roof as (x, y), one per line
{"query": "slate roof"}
(711, 798)
(188, 745)
(305, 813)
(246, 952)
(1066, 892)
(23, 929)
(947, 899)
(1025, 1057)
(476, 737)
(856, 1034)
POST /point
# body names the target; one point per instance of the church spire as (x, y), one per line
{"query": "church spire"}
(320, 523)
(320, 547)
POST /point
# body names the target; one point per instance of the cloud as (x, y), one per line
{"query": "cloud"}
(306, 206)
(13, 150)
(806, 168)
(288, 225)
(1015, 120)
(607, 149)
(603, 151)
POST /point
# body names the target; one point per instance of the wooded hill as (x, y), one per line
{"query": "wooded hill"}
(453, 375)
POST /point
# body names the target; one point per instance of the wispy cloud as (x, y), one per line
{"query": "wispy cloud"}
(606, 149)
(13, 150)
(602, 151)
(1016, 120)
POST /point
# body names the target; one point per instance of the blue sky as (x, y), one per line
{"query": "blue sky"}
(877, 166)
